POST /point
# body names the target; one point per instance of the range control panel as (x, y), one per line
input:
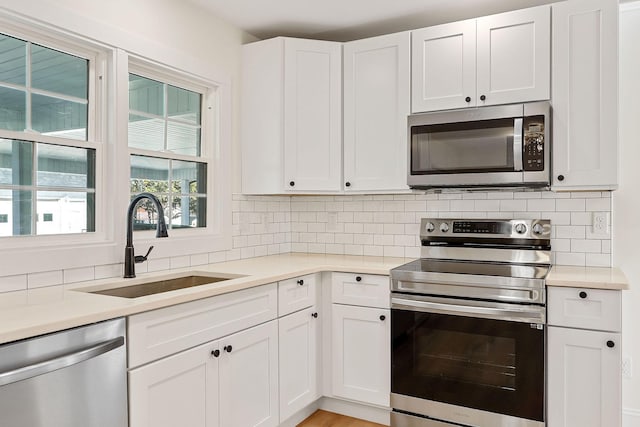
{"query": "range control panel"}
(486, 228)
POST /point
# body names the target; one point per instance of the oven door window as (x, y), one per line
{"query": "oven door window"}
(491, 365)
(468, 147)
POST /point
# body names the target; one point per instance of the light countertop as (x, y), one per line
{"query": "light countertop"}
(34, 312)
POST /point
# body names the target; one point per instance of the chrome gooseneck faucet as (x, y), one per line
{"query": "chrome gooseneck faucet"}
(130, 259)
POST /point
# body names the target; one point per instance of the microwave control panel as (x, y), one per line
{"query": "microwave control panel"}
(534, 143)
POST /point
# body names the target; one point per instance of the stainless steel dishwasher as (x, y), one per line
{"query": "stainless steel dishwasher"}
(73, 378)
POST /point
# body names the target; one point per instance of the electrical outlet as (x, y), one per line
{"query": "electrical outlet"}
(600, 223)
(627, 367)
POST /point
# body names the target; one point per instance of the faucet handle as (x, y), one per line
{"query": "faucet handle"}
(143, 258)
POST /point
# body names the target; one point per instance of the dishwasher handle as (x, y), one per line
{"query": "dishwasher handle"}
(60, 362)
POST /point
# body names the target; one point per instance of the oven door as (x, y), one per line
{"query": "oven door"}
(456, 367)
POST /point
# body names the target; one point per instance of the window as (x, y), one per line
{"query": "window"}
(47, 156)
(167, 158)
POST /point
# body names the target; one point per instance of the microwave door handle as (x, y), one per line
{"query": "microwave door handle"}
(517, 144)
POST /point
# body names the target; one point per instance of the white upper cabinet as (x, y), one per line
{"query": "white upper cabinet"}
(376, 104)
(585, 95)
(514, 54)
(497, 59)
(291, 116)
(444, 66)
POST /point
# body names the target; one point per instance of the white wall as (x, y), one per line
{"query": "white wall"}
(626, 203)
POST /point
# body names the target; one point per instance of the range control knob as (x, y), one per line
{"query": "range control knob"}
(430, 227)
(520, 228)
(537, 229)
(444, 227)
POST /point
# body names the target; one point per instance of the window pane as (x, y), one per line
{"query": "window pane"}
(60, 166)
(13, 109)
(188, 177)
(62, 212)
(16, 162)
(188, 211)
(146, 214)
(13, 64)
(57, 117)
(16, 205)
(59, 72)
(183, 139)
(183, 104)
(146, 95)
(149, 174)
(146, 133)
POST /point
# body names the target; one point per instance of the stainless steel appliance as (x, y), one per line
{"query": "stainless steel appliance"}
(73, 378)
(506, 145)
(467, 325)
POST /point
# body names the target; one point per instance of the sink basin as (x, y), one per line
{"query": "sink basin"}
(164, 285)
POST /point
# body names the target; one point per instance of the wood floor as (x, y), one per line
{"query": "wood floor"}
(329, 419)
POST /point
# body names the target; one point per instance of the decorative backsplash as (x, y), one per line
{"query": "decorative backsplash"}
(372, 225)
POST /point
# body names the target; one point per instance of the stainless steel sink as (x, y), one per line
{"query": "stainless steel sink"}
(165, 285)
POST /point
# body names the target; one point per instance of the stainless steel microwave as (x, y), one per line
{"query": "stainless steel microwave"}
(507, 145)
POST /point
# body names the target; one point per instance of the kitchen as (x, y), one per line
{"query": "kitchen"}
(266, 225)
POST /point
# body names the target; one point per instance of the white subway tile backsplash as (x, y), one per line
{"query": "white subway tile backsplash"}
(199, 259)
(108, 271)
(580, 245)
(598, 260)
(47, 278)
(13, 283)
(565, 258)
(597, 205)
(570, 205)
(180, 261)
(74, 275)
(513, 205)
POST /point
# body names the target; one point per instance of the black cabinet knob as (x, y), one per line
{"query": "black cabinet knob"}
(358, 279)
(468, 99)
(215, 353)
(482, 97)
(314, 315)
(560, 177)
(292, 183)
(228, 348)
(347, 184)
(611, 344)
(382, 317)
(582, 294)
(300, 282)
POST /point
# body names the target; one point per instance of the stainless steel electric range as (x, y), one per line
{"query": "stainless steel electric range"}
(467, 321)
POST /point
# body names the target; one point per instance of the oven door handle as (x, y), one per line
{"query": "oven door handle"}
(520, 314)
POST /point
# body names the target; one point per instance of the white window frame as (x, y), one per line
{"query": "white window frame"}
(100, 59)
(214, 151)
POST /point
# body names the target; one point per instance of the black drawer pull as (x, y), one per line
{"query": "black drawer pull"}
(300, 282)
(468, 99)
(482, 97)
(582, 294)
(560, 177)
(215, 353)
(611, 344)
(292, 183)
(228, 348)
(314, 315)
(358, 279)
(382, 317)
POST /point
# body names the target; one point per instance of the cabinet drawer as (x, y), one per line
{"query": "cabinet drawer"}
(297, 293)
(596, 309)
(360, 289)
(158, 333)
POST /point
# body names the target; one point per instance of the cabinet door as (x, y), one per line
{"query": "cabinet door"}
(584, 383)
(249, 377)
(444, 67)
(514, 54)
(361, 353)
(298, 340)
(585, 95)
(180, 390)
(376, 105)
(312, 115)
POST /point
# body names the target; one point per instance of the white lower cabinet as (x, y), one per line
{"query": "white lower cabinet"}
(231, 382)
(361, 353)
(299, 342)
(180, 390)
(583, 378)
